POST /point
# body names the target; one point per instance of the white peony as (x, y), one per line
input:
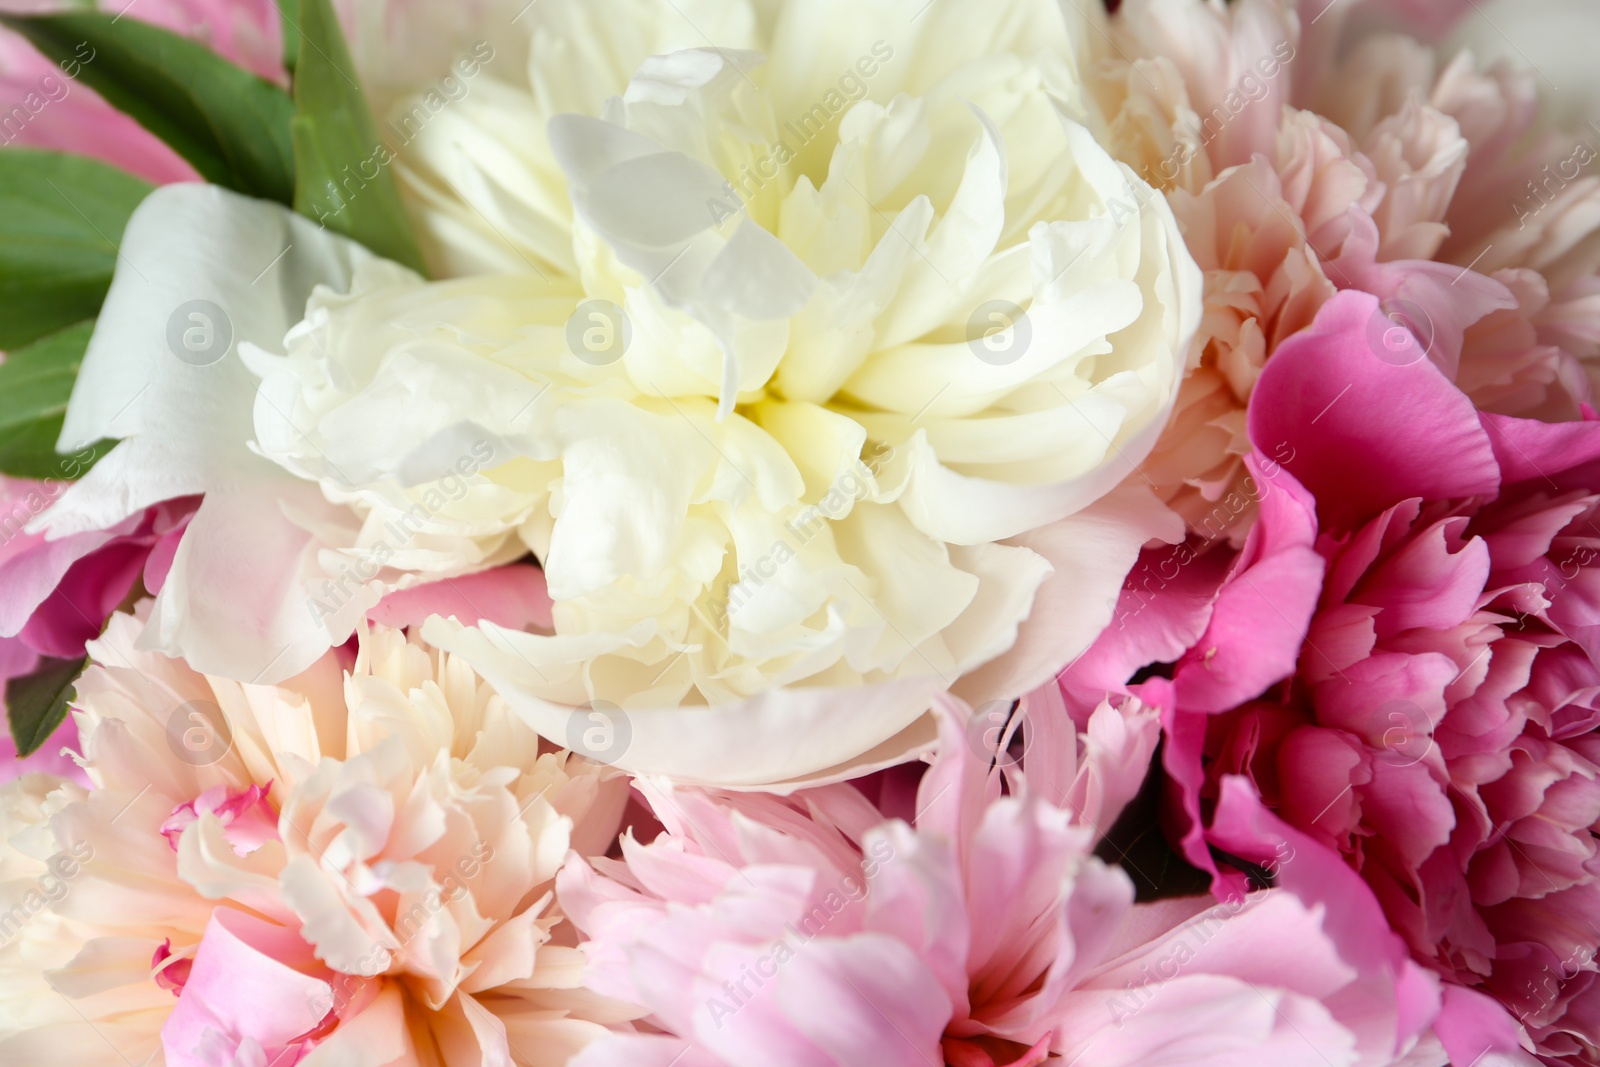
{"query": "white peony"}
(741, 359)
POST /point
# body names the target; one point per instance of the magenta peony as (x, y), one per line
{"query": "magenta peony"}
(1402, 660)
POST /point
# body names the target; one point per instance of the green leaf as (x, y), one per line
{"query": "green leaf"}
(37, 704)
(289, 16)
(61, 220)
(342, 176)
(232, 126)
(36, 382)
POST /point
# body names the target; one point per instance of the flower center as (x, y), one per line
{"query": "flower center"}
(248, 820)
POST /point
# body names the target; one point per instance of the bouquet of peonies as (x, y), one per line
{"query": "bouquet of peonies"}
(901, 533)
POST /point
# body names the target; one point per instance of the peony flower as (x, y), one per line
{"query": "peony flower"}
(1322, 152)
(1403, 661)
(322, 872)
(58, 594)
(1513, 209)
(798, 463)
(1523, 206)
(812, 930)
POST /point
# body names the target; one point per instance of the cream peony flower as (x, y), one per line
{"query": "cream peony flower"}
(379, 859)
(810, 350)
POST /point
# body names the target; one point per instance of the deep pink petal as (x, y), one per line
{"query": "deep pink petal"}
(1263, 609)
(1364, 432)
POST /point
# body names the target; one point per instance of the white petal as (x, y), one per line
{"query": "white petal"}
(256, 263)
(1092, 552)
(767, 740)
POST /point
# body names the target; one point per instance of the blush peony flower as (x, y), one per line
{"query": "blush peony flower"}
(322, 872)
(1403, 660)
(810, 930)
(777, 457)
(1324, 152)
(1517, 209)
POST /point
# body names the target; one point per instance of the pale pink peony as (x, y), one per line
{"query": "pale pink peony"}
(329, 872)
(1310, 151)
(809, 930)
(1524, 210)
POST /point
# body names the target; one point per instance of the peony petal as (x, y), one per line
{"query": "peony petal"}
(865, 999)
(244, 986)
(245, 268)
(1091, 552)
(515, 597)
(781, 736)
(187, 244)
(1262, 612)
(1364, 432)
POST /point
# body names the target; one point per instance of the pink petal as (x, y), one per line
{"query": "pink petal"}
(1264, 607)
(864, 1000)
(1434, 581)
(1165, 606)
(1471, 1024)
(78, 120)
(245, 986)
(1566, 454)
(643, 1050)
(1365, 432)
(76, 610)
(1353, 917)
(514, 597)
(918, 898)
(159, 565)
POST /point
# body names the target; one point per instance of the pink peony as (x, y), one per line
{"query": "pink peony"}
(1405, 661)
(810, 930)
(56, 595)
